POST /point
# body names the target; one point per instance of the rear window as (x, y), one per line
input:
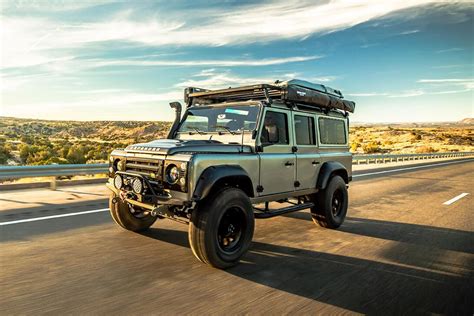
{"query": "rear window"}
(332, 131)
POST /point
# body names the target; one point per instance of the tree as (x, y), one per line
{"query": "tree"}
(76, 154)
(4, 154)
(24, 152)
(27, 139)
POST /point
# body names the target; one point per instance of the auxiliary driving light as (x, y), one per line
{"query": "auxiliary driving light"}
(118, 182)
(137, 186)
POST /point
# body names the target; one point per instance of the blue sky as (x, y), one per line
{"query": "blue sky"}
(401, 61)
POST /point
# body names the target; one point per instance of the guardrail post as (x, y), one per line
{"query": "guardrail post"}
(53, 184)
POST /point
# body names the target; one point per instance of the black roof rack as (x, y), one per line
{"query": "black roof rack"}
(292, 91)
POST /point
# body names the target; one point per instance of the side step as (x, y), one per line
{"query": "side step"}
(262, 213)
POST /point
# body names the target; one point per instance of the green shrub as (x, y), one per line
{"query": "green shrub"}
(371, 148)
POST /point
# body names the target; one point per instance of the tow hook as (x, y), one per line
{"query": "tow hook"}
(161, 211)
(123, 195)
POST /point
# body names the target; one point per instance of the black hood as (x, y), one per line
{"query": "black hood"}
(173, 146)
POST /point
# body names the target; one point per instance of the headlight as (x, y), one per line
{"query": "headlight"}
(121, 165)
(118, 182)
(137, 186)
(172, 174)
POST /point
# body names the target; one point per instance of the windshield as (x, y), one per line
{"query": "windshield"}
(228, 119)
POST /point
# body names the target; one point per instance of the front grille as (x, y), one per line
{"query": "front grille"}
(145, 166)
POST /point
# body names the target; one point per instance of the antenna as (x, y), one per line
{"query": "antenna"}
(242, 140)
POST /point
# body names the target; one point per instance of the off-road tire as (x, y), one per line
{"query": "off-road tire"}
(327, 212)
(211, 223)
(121, 214)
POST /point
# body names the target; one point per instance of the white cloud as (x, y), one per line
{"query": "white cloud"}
(50, 6)
(444, 80)
(407, 94)
(32, 41)
(409, 32)
(107, 99)
(322, 79)
(466, 83)
(220, 80)
(449, 50)
(438, 86)
(367, 94)
(452, 66)
(451, 91)
(205, 63)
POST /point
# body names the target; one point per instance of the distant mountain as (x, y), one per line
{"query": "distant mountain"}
(467, 121)
(125, 131)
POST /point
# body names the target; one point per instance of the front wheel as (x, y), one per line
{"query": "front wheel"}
(129, 217)
(221, 228)
(330, 204)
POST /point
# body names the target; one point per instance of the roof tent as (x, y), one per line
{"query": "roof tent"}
(298, 92)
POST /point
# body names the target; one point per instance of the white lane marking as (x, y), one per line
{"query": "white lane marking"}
(51, 217)
(408, 168)
(454, 199)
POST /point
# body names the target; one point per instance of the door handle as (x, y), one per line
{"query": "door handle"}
(315, 163)
(289, 163)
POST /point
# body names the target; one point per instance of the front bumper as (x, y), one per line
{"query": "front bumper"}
(157, 200)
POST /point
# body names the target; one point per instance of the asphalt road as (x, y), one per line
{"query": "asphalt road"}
(402, 249)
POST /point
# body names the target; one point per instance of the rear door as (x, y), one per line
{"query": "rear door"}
(277, 161)
(308, 159)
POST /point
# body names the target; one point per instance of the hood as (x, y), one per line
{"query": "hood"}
(174, 146)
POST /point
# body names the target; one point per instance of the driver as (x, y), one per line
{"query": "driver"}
(270, 133)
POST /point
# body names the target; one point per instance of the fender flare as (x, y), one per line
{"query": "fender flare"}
(212, 175)
(327, 170)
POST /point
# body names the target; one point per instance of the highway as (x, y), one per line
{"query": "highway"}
(407, 246)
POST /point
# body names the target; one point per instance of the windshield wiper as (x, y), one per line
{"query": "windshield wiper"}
(226, 128)
(197, 130)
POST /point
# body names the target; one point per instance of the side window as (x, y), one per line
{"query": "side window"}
(304, 130)
(332, 132)
(275, 129)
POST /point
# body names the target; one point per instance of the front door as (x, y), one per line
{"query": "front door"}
(277, 161)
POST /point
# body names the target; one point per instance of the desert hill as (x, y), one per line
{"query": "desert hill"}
(30, 141)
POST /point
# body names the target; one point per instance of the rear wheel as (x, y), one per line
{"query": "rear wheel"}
(129, 217)
(330, 207)
(221, 228)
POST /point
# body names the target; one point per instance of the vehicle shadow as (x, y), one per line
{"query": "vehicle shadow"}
(355, 284)
(422, 235)
(175, 237)
(428, 236)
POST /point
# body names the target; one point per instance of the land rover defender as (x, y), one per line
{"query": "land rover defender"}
(233, 152)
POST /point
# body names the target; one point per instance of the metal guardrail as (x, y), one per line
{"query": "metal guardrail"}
(384, 158)
(54, 171)
(51, 171)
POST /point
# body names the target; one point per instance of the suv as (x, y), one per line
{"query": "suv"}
(234, 151)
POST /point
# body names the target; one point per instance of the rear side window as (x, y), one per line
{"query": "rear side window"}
(304, 130)
(332, 132)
